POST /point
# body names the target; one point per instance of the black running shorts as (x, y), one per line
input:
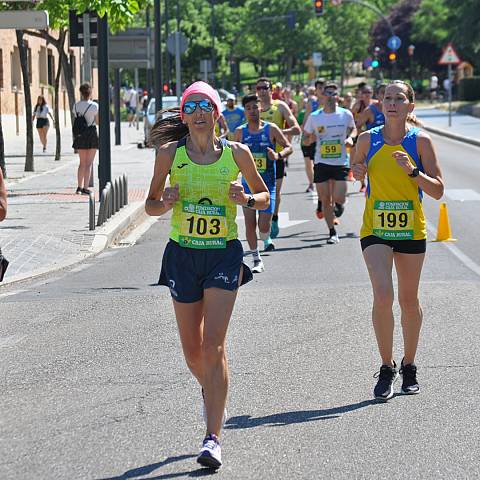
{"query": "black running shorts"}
(323, 172)
(399, 246)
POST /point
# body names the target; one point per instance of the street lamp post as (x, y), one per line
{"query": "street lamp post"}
(158, 56)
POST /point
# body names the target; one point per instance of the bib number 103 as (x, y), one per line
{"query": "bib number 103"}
(203, 226)
(200, 225)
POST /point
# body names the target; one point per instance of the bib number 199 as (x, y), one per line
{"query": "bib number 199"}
(393, 219)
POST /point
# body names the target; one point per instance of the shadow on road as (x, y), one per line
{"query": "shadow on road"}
(289, 418)
(145, 470)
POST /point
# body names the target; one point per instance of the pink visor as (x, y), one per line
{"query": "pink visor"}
(204, 89)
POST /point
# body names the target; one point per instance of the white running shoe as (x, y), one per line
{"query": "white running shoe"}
(333, 239)
(258, 266)
(210, 455)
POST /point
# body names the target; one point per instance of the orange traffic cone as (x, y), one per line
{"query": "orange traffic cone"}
(444, 233)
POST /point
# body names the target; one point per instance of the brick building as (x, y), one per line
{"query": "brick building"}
(43, 63)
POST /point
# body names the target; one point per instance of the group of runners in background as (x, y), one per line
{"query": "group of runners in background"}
(197, 177)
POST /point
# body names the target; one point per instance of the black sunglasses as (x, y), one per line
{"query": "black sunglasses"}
(191, 106)
(262, 87)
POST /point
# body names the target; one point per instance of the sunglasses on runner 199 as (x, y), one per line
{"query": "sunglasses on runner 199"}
(191, 106)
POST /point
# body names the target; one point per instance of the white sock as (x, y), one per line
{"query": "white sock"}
(256, 255)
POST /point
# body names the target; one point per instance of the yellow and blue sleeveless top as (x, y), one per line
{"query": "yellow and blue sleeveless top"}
(378, 118)
(274, 115)
(204, 217)
(393, 208)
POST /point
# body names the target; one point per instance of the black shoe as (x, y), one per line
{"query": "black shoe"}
(78, 191)
(3, 266)
(85, 191)
(338, 209)
(410, 385)
(386, 378)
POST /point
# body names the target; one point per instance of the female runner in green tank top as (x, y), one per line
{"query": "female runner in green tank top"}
(203, 261)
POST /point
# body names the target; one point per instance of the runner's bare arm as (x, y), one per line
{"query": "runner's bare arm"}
(291, 121)
(364, 117)
(156, 203)
(359, 168)
(279, 138)
(237, 136)
(308, 111)
(431, 182)
(246, 164)
(3, 198)
(308, 133)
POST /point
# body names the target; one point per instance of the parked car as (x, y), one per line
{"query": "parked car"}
(150, 117)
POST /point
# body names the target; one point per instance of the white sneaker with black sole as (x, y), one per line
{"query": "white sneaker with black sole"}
(258, 266)
(210, 455)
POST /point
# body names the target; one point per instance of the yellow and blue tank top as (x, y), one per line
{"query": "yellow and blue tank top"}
(393, 208)
(204, 217)
(258, 143)
(273, 115)
(378, 118)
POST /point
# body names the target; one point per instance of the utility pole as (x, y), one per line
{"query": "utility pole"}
(213, 41)
(105, 164)
(158, 56)
(87, 55)
(168, 58)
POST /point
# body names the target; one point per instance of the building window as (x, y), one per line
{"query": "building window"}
(16, 69)
(1, 68)
(42, 66)
(73, 66)
(50, 68)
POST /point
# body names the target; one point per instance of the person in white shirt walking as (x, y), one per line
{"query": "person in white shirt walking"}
(131, 101)
(41, 113)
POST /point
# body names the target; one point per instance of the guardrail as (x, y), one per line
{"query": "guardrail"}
(114, 196)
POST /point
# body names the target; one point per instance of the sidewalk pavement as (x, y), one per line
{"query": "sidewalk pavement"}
(465, 128)
(47, 223)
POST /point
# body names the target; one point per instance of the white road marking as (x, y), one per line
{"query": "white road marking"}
(11, 340)
(462, 194)
(81, 267)
(283, 220)
(465, 259)
(9, 294)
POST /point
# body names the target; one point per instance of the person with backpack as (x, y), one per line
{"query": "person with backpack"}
(85, 136)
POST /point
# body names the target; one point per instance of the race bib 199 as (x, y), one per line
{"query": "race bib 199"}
(330, 148)
(393, 219)
(203, 226)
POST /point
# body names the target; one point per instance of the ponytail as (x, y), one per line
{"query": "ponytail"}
(168, 129)
(414, 121)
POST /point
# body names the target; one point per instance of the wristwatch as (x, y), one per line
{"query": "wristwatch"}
(415, 173)
(250, 201)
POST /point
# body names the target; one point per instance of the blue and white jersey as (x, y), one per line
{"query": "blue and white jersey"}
(378, 118)
(258, 143)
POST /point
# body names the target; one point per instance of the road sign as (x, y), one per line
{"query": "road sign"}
(317, 58)
(23, 19)
(449, 56)
(75, 22)
(394, 42)
(183, 43)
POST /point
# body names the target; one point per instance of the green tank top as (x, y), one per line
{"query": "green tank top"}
(204, 217)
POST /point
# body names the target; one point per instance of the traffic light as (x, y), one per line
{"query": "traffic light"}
(375, 63)
(392, 56)
(318, 7)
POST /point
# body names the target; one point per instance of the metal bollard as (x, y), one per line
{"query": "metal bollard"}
(91, 206)
(125, 191)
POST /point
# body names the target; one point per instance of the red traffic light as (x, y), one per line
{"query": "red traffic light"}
(392, 56)
(318, 4)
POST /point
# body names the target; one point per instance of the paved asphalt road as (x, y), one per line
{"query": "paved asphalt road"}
(93, 384)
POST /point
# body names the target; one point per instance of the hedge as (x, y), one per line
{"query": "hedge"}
(469, 88)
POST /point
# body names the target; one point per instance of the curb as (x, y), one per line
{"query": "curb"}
(453, 136)
(103, 238)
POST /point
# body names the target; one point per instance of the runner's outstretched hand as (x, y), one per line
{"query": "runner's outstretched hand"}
(171, 195)
(236, 193)
(272, 155)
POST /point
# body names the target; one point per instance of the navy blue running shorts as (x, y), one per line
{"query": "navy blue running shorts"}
(399, 246)
(187, 272)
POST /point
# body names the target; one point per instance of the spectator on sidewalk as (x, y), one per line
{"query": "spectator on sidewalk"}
(41, 112)
(85, 136)
(433, 86)
(131, 101)
(3, 214)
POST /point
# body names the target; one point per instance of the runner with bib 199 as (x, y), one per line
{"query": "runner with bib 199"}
(262, 139)
(203, 261)
(401, 165)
